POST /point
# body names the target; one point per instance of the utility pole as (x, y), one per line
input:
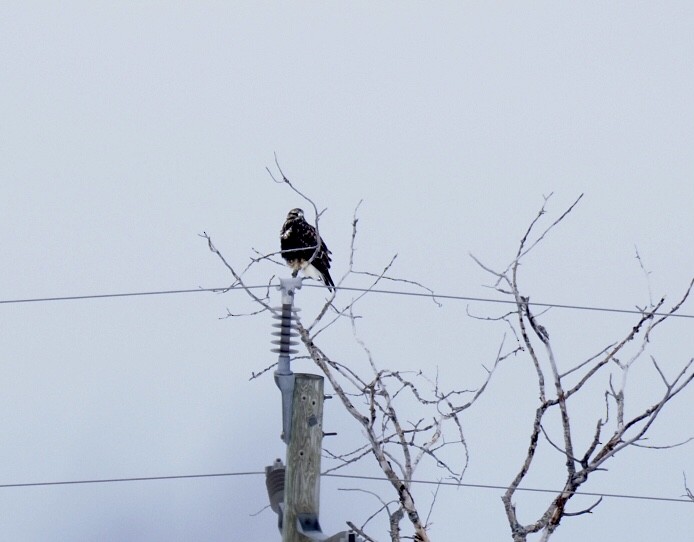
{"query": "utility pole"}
(294, 491)
(302, 476)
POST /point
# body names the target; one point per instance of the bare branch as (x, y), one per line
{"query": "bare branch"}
(588, 510)
(361, 533)
(522, 250)
(433, 502)
(255, 375)
(384, 505)
(406, 281)
(560, 450)
(665, 446)
(688, 492)
(237, 277)
(586, 362)
(646, 274)
(349, 306)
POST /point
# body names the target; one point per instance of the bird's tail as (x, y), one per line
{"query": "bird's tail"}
(327, 279)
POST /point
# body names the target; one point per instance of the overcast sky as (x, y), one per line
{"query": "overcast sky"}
(127, 129)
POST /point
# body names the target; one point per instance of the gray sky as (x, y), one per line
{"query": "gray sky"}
(127, 131)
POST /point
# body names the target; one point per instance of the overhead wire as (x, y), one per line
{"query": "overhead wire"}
(346, 476)
(134, 479)
(344, 288)
(342, 476)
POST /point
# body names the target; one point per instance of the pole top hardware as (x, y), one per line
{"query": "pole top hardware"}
(288, 286)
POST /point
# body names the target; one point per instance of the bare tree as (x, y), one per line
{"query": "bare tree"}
(407, 418)
(559, 388)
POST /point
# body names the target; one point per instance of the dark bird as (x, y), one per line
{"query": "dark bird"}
(298, 240)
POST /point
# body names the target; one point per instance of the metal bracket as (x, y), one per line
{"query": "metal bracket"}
(288, 286)
(285, 382)
(307, 525)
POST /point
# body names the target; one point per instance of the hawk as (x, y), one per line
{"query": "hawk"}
(298, 240)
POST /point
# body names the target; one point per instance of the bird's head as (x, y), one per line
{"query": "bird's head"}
(295, 214)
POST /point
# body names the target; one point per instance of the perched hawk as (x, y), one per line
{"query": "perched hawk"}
(298, 240)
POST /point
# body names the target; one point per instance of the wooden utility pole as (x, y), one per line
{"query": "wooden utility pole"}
(294, 491)
(302, 477)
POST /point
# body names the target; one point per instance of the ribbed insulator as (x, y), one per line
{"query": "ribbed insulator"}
(274, 481)
(287, 329)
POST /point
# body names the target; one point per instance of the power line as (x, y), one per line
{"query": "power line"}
(344, 476)
(137, 479)
(344, 288)
(528, 489)
(104, 296)
(507, 301)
